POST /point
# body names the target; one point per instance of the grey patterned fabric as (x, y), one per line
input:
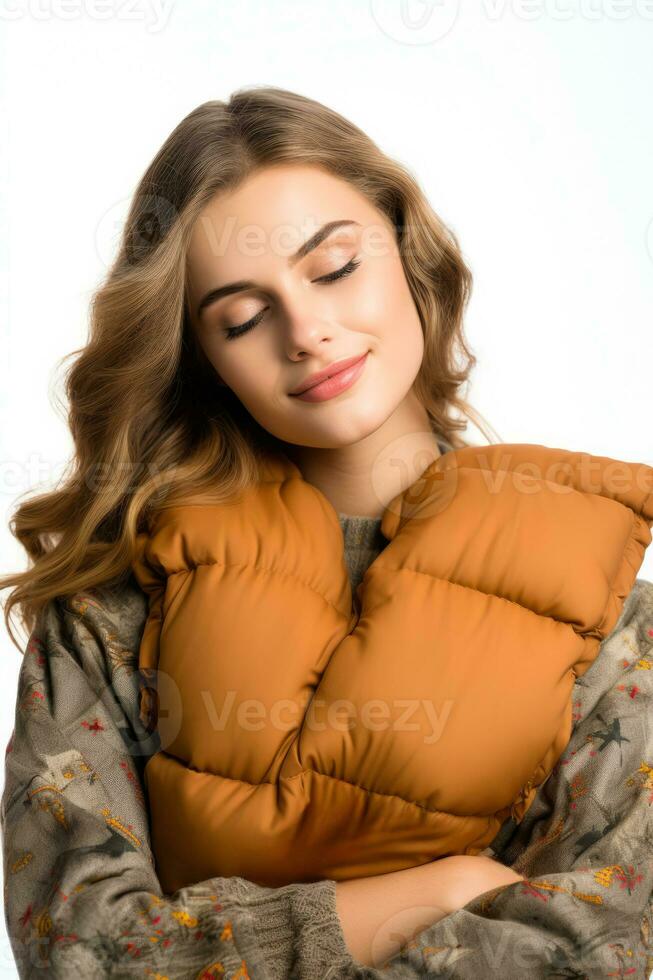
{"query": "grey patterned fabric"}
(363, 541)
(82, 898)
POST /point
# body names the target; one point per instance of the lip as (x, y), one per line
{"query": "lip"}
(330, 383)
(335, 368)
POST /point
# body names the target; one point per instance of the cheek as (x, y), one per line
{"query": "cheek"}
(252, 377)
(397, 310)
(403, 336)
(378, 297)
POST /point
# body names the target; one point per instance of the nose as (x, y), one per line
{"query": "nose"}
(305, 333)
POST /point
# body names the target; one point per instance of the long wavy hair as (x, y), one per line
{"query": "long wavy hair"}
(151, 426)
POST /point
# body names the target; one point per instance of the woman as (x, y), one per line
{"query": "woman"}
(170, 400)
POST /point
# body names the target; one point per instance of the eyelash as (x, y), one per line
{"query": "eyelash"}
(233, 332)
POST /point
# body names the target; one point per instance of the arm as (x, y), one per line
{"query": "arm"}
(382, 913)
(81, 893)
(82, 897)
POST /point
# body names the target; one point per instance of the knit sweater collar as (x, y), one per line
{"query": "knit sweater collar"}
(363, 539)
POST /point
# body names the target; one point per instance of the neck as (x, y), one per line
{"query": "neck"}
(362, 478)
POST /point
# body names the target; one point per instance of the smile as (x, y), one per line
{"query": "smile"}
(336, 384)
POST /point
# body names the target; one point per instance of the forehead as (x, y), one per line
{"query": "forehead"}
(275, 210)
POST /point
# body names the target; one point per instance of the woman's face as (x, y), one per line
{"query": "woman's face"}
(308, 303)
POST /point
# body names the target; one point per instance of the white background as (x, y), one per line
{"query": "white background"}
(528, 124)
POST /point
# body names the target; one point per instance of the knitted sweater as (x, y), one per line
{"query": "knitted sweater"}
(363, 539)
(363, 542)
(81, 893)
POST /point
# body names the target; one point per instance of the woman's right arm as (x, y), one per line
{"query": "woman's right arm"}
(81, 892)
(82, 897)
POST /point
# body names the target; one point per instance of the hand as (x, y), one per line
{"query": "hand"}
(381, 913)
(469, 876)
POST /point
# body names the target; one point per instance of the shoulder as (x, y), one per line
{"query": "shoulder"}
(105, 622)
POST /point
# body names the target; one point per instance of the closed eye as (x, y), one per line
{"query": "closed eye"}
(346, 270)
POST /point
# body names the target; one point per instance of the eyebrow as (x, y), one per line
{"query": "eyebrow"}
(214, 295)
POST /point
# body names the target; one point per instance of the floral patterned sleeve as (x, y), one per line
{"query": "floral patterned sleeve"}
(82, 898)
